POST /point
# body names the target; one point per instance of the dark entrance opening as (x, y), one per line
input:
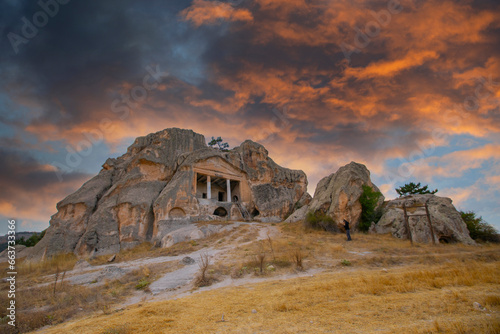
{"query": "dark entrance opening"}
(221, 196)
(220, 211)
(235, 199)
(255, 212)
(444, 239)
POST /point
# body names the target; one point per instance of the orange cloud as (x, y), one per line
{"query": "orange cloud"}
(455, 164)
(387, 68)
(410, 79)
(209, 12)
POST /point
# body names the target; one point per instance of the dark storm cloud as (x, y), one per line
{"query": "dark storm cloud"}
(30, 190)
(87, 51)
(21, 172)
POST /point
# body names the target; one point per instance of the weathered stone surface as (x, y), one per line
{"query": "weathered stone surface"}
(99, 277)
(337, 195)
(157, 187)
(21, 252)
(446, 221)
(301, 209)
(81, 265)
(191, 232)
(275, 189)
(305, 200)
(298, 215)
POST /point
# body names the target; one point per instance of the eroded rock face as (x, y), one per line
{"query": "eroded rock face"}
(337, 195)
(157, 187)
(275, 189)
(446, 221)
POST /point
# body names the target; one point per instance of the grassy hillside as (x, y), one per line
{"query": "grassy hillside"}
(374, 284)
(421, 299)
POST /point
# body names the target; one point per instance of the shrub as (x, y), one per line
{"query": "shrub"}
(203, 279)
(143, 283)
(369, 199)
(345, 262)
(319, 221)
(479, 229)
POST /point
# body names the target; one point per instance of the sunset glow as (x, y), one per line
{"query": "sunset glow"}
(411, 89)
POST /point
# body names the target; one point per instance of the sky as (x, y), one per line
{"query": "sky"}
(411, 89)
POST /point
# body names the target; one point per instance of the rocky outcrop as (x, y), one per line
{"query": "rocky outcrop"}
(446, 221)
(157, 187)
(337, 195)
(275, 190)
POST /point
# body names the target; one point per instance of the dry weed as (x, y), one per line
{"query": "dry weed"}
(203, 279)
(297, 258)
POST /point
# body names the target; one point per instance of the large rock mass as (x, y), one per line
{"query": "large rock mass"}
(446, 221)
(337, 195)
(166, 181)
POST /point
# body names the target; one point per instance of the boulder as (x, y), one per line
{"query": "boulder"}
(337, 195)
(81, 265)
(187, 261)
(20, 253)
(298, 215)
(165, 182)
(301, 209)
(446, 221)
(276, 190)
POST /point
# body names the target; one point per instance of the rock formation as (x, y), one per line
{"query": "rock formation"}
(164, 182)
(337, 195)
(446, 222)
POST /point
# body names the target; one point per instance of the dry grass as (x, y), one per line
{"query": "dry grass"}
(390, 286)
(326, 250)
(420, 299)
(42, 306)
(59, 301)
(58, 263)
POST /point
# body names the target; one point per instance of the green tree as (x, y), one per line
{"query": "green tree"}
(31, 241)
(412, 188)
(368, 199)
(478, 228)
(219, 143)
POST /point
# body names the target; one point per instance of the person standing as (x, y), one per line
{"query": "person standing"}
(347, 230)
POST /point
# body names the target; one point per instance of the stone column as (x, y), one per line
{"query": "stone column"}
(228, 183)
(209, 187)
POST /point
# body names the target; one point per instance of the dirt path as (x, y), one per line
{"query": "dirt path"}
(171, 284)
(177, 283)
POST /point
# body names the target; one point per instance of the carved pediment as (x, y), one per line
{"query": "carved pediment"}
(218, 167)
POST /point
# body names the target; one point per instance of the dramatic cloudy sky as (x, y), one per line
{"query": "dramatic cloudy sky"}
(411, 89)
